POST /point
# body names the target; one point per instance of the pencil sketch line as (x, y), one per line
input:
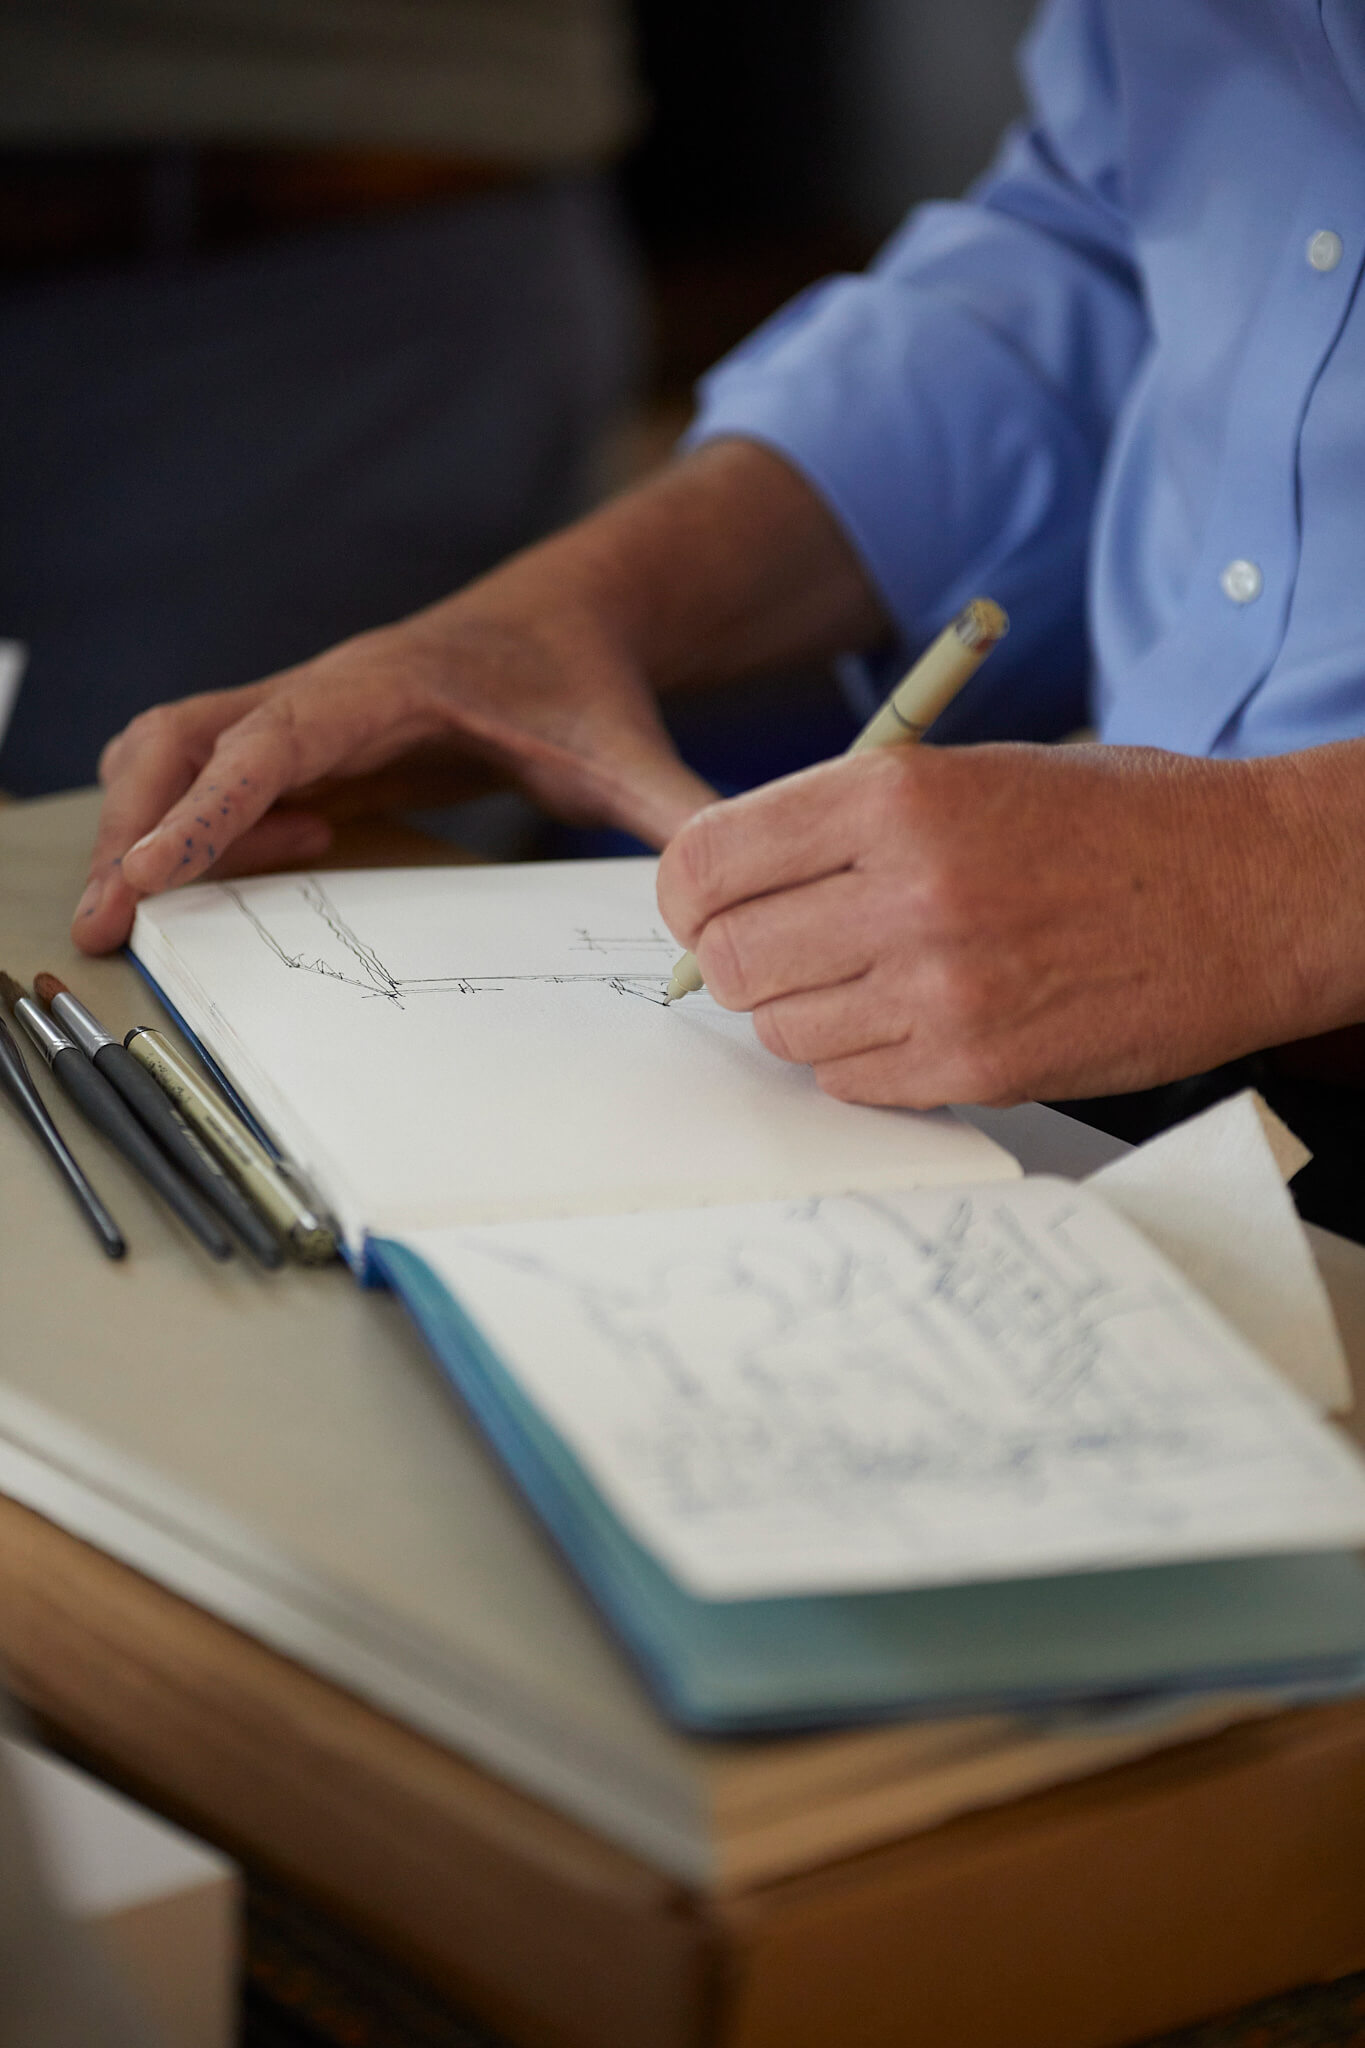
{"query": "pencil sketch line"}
(585, 941)
(374, 978)
(988, 1357)
(318, 900)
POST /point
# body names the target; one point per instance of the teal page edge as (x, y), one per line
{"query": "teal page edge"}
(762, 1666)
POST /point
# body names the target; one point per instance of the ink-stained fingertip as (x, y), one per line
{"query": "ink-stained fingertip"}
(104, 923)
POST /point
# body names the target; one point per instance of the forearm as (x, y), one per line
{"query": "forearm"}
(724, 564)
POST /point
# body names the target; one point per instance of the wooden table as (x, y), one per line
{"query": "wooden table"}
(1101, 1912)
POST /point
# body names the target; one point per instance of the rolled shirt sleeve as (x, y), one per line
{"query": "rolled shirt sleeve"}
(952, 406)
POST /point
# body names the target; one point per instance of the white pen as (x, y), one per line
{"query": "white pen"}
(258, 1175)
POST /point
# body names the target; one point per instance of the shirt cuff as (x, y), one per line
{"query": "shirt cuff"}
(951, 469)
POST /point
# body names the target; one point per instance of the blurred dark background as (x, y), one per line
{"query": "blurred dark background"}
(786, 138)
(311, 313)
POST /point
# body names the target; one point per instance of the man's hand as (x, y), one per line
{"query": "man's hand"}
(543, 673)
(987, 924)
(549, 701)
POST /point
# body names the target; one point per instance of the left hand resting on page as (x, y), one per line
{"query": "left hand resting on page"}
(930, 925)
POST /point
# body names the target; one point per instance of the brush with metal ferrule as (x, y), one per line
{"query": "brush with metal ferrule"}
(104, 1108)
(14, 1079)
(153, 1109)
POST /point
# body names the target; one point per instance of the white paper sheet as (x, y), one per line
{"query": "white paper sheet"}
(1211, 1195)
(901, 1390)
(459, 1044)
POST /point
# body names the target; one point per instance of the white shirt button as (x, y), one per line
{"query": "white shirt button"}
(1241, 581)
(1324, 249)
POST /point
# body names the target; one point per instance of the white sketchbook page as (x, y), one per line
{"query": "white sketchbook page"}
(902, 1390)
(470, 1044)
(1211, 1195)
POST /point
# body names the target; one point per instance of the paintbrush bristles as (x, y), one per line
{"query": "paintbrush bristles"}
(46, 986)
(12, 990)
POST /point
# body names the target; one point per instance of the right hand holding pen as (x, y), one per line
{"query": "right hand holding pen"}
(512, 676)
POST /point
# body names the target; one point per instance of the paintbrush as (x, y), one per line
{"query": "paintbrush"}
(14, 1078)
(152, 1107)
(104, 1108)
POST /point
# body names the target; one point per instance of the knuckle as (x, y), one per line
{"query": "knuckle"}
(877, 797)
(893, 1077)
(114, 754)
(152, 724)
(773, 1030)
(997, 1094)
(686, 873)
(148, 729)
(111, 753)
(726, 963)
(971, 1057)
(890, 781)
(839, 1079)
(991, 1076)
(966, 1079)
(947, 898)
(697, 861)
(971, 1005)
(277, 723)
(962, 999)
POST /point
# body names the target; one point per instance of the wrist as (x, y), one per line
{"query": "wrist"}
(724, 563)
(549, 609)
(1307, 821)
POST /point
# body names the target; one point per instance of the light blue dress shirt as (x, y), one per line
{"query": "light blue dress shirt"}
(1120, 387)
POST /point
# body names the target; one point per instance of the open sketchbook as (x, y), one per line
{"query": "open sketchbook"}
(834, 1417)
(456, 1045)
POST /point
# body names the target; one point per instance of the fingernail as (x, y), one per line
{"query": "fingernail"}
(145, 840)
(90, 902)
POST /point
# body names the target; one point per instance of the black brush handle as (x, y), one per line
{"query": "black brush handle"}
(14, 1077)
(102, 1106)
(152, 1108)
